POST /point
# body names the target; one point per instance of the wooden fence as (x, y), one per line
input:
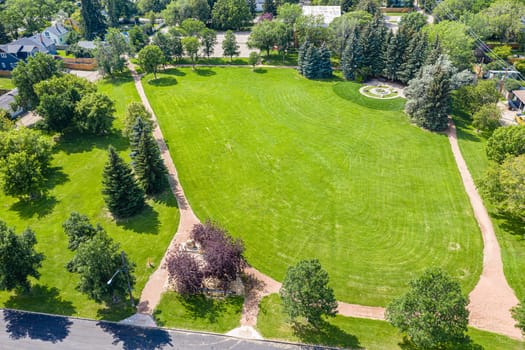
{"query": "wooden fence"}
(79, 63)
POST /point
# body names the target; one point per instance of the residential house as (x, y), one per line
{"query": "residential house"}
(57, 33)
(22, 48)
(7, 101)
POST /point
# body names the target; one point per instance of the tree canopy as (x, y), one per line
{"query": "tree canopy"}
(433, 312)
(18, 258)
(305, 292)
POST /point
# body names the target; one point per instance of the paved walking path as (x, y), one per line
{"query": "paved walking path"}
(490, 301)
(157, 282)
(492, 298)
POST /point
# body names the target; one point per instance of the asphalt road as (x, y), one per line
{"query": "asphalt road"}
(23, 330)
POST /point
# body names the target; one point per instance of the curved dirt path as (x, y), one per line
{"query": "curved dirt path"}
(492, 298)
(157, 282)
(490, 301)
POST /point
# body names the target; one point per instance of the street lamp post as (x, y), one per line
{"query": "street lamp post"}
(125, 270)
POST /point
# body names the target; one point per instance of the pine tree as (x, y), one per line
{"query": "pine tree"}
(371, 41)
(147, 162)
(325, 66)
(352, 59)
(92, 19)
(428, 96)
(312, 62)
(393, 58)
(269, 7)
(301, 55)
(434, 53)
(122, 194)
(416, 56)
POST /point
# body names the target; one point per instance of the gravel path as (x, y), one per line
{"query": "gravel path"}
(157, 282)
(492, 298)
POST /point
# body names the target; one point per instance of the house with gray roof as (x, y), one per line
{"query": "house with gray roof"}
(7, 102)
(57, 33)
(21, 49)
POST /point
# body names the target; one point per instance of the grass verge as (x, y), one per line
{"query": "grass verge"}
(198, 312)
(356, 333)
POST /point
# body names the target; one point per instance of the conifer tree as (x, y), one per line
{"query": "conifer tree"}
(301, 55)
(434, 53)
(429, 95)
(371, 41)
(393, 58)
(352, 58)
(416, 54)
(122, 194)
(147, 162)
(325, 65)
(312, 62)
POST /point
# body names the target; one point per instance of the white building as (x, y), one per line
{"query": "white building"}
(328, 12)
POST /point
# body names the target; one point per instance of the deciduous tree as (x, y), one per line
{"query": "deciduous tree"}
(506, 142)
(134, 111)
(433, 312)
(231, 14)
(184, 272)
(191, 47)
(26, 74)
(79, 229)
(96, 261)
(305, 292)
(229, 45)
(94, 113)
(150, 58)
(487, 118)
(18, 258)
(208, 41)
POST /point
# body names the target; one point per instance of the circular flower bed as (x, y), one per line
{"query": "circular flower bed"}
(379, 91)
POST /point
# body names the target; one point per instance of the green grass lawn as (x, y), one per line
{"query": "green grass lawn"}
(199, 313)
(75, 185)
(311, 169)
(6, 83)
(510, 232)
(355, 333)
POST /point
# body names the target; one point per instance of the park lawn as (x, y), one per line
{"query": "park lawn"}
(75, 185)
(198, 312)
(6, 83)
(509, 232)
(306, 169)
(355, 333)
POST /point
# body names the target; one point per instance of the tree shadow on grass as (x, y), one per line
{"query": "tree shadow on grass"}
(200, 307)
(133, 337)
(41, 299)
(147, 221)
(260, 70)
(326, 334)
(174, 71)
(166, 198)
(56, 177)
(205, 72)
(462, 126)
(116, 311)
(163, 81)
(41, 207)
(119, 78)
(78, 143)
(464, 344)
(20, 324)
(511, 224)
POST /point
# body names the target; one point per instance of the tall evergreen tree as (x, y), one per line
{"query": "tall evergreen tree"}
(122, 194)
(312, 62)
(270, 7)
(301, 56)
(372, 39)
(352, 58)
(393, 58)
(92, 19)
(434, 53)
(147, 162)
(325, 65)
(416, 55)
(429, 95)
